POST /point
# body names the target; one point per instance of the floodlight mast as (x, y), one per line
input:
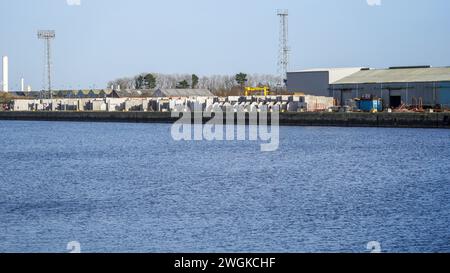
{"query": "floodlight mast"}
(48, 35)
(283, 53)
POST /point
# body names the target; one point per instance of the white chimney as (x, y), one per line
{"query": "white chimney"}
(5, 74)
(22, 84)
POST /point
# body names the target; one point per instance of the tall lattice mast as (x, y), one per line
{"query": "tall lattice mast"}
(47, 36)
(283, 57)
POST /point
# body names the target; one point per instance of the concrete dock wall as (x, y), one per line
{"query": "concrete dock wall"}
(398, 120)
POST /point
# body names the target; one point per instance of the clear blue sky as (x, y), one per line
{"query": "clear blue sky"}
(100, 40)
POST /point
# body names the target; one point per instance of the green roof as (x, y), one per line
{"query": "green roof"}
(398, 75)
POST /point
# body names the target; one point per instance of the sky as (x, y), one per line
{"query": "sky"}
(100, 40)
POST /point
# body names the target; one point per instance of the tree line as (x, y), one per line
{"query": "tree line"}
(218, 84)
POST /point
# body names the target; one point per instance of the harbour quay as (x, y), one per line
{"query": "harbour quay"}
(350, 119)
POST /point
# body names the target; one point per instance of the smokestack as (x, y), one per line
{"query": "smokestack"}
(5, 74)
(22, 84)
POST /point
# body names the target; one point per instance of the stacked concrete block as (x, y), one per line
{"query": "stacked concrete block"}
(21, 105)
(253, 107)
(98, 105)
(292, 106)
(275, 107)
(316, 103)
(287, 98)
(286, 103)
(196, 105)
(163, 105)
(133, 104)
(115, 104)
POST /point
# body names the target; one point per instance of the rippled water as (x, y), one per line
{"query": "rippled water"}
(129, 187)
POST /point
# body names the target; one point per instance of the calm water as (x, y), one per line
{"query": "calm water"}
(130, 187)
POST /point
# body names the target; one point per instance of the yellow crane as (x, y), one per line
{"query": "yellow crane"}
(250, 91)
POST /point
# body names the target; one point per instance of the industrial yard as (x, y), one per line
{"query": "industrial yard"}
(158, 105)
(401, 89)
(305, 103)
(396, 89)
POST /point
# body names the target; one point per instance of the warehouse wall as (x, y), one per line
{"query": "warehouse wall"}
(316, 82)
(430, 93)
(311, 83)
(444, 95)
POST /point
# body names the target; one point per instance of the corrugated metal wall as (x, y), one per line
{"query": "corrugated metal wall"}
(444, 95)
(430, 93)
(311, 83)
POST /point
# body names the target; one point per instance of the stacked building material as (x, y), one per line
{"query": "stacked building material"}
(310, 103)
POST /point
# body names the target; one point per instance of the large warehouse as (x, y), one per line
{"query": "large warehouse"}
(429, 86)
(397, 85)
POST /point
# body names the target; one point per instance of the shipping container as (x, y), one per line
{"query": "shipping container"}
(370, 105)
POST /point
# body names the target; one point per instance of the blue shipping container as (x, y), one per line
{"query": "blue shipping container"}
(370, 105)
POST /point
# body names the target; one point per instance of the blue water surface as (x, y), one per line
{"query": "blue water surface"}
(118, 187)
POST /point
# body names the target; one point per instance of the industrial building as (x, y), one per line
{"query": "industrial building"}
(174, 93)
(317, 81)
(395, 86)
(131, 93)
(68, 94)
(108, 93)
(161, 93)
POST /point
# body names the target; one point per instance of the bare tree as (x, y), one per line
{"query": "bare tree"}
(218, 84)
